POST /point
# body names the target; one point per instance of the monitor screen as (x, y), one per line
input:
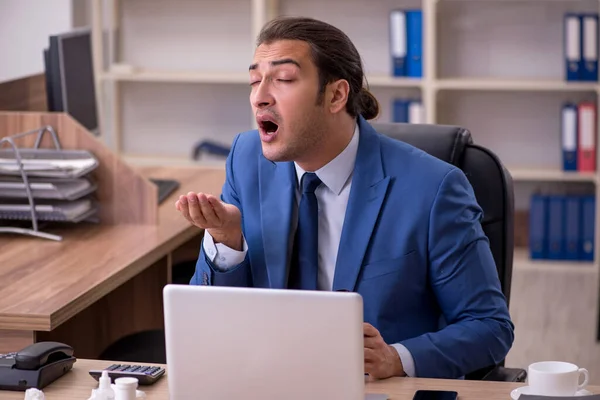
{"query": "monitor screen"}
(77, 77)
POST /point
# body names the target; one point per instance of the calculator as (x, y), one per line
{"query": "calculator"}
(145, 374)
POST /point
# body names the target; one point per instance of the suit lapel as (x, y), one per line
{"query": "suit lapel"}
(369, 186)
(277, 190)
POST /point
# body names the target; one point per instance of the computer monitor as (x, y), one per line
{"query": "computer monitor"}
(70, 77)
(52, 73)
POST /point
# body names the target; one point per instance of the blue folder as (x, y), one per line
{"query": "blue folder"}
(589, 54)
(538, 219)
(400, 110)
(414, 49)
(572, 47)
(588, 211)
(556, 227)
(572, 227)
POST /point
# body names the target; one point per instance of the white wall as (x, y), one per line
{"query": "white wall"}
(25, 26)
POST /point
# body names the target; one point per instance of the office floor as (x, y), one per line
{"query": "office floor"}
(555, 312)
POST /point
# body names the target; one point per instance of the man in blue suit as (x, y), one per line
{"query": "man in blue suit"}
(316, 199)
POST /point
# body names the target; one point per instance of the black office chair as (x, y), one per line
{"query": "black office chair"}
(493, 189)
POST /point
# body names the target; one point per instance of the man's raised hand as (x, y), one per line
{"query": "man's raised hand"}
(223, 221)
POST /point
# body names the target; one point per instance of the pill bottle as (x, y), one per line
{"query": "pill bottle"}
(125, 388)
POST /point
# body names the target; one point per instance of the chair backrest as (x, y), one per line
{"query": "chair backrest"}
(490, 180)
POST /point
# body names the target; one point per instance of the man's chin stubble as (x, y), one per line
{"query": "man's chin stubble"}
(275, 156)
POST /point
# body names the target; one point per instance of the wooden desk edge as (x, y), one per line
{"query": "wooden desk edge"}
(77, 384)
(48, 322)
(20, 322)
(86, 299)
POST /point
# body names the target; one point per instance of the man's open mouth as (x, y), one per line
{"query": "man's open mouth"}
(268, 126)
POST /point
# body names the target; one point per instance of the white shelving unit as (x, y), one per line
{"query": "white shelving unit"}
(187, 67)
(523, 262)
(492, 66)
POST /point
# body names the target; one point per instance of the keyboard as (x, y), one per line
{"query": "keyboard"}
(146, 375)
(165, 187)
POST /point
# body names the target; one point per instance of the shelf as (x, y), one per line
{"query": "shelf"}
(391, 81)
(236, 78)
(181, 77)
(523, 262)
(550, 175)
(147, 160)
(519, 85)
(374, 81)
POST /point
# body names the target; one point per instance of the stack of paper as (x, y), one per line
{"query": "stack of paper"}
(59, 183)
(49, 210)
(51, 188)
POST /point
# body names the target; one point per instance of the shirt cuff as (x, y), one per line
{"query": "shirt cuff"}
(408, 363)
(222, 256)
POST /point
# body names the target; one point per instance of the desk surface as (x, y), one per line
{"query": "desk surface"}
(44, 283)
(78, 385)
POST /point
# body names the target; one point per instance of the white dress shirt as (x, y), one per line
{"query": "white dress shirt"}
(332, 198)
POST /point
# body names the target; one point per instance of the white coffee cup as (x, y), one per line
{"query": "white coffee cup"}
(555, 378)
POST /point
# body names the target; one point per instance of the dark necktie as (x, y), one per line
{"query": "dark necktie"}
(305, 258)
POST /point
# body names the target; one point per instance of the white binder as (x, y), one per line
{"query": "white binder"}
(416, 114)
(573, 59)
(398, 42)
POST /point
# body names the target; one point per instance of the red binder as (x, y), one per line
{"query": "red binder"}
(586, 152)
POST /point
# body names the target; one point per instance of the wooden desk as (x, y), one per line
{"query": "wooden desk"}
(101, 282)
(78, 385)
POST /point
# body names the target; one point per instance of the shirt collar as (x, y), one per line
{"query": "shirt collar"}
(335, 173)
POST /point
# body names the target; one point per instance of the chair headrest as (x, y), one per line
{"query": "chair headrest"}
(445, 142)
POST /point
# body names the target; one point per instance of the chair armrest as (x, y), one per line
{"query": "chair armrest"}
(210, 147)
(503, 374)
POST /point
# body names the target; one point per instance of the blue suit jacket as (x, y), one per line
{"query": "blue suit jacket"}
(411, 245)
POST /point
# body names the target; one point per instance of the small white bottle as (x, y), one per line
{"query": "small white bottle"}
(104, 391)
(34, 394)
(125, 388)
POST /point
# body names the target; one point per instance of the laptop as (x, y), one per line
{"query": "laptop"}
(250, 343)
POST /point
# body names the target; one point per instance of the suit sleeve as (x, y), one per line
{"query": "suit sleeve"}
(207, 273)
(464, 279)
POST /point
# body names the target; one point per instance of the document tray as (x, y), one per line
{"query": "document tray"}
(74, 211)
(46, 188)
(48, 163)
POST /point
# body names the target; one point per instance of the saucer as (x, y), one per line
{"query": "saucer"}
(525, 390)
